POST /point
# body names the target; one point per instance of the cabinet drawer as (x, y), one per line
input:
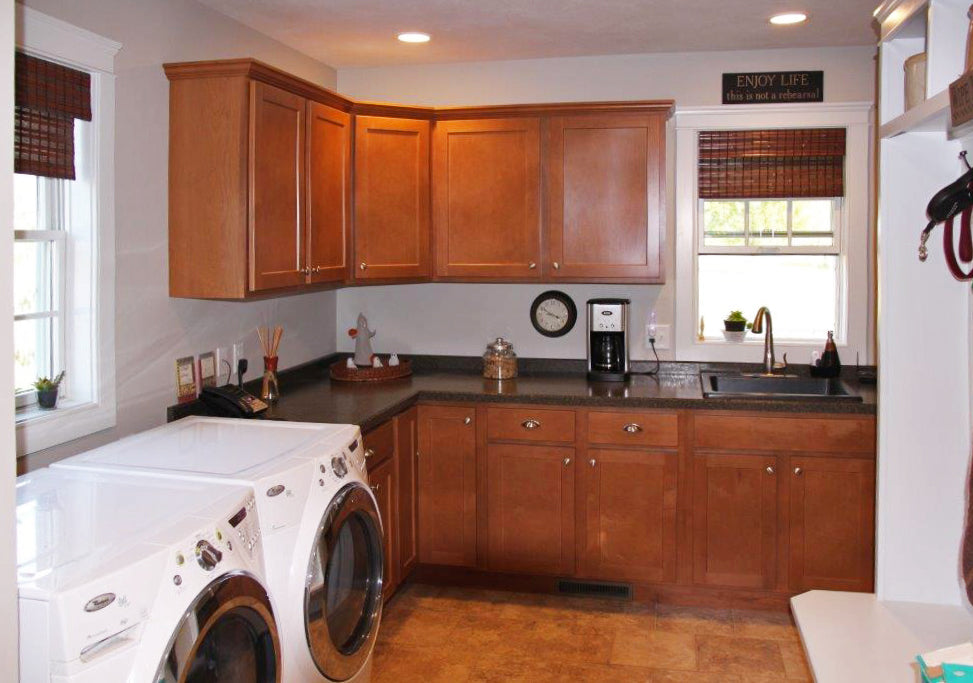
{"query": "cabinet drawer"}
(634, 429)
(814, 434)
(530, 424)
(379, 444)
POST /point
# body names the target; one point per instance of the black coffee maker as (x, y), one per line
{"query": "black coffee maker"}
(608, 340)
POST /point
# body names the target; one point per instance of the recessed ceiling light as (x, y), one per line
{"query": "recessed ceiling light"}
(414, 37)
(788, 18)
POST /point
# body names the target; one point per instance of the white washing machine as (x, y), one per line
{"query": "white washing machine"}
(128, 579)
(319, 524)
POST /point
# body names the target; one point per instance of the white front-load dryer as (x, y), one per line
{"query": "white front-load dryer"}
(127, 579)
(319, 524)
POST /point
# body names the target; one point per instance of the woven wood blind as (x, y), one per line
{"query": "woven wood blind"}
(48, 98)
(771, 164)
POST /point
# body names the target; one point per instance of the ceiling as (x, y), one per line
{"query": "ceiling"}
(344, 33)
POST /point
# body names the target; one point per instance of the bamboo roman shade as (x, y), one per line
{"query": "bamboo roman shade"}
(771, 164)
(48, 98)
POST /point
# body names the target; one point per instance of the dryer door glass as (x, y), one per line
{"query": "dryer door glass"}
(228, 635)
(343, 594)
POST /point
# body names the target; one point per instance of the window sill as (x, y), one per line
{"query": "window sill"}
(38, 428)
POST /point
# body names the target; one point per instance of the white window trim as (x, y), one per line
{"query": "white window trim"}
(53, 39)
(856, 118)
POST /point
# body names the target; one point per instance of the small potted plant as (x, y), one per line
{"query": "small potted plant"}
(47, 390)
(735, 327)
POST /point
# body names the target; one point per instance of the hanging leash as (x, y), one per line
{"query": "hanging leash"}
(954, 199)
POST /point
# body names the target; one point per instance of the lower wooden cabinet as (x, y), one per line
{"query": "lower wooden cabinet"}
(735, 520)
(406, 453)
(530, 508)
(447, 485)
(832, 523)
(382, 480)
(629, 515)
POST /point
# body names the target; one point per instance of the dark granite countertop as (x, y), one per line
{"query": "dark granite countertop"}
(309, 395)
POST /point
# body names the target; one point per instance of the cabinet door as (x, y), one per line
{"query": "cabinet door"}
(406, 452)
(447, 485)
(382, 481)
(630, 515)
(606, 197)
(391, 198)
(486, 198)
(735, 520)
(276, 174)
(328, 192)
(530, 508)
(832, 531)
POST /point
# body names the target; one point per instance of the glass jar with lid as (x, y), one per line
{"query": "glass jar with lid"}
(500, 361)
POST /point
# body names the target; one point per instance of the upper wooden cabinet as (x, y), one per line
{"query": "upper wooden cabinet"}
(486, 198)
(259, 183)
(391, 198)
(606, 197)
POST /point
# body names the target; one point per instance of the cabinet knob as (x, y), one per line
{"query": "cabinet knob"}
(798, 471)
(376, 487)
(633, 428)
(530, 423)
(317, 269)
(592, 462)
(369, 453)
(770, 470)
(363, 265)
(467, 420)
(566, 461)
(532, 265)
(557, 266)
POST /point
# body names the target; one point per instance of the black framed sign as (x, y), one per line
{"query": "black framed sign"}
(773, 87)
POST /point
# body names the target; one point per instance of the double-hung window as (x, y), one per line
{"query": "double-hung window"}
(63, 260)
(773, 210)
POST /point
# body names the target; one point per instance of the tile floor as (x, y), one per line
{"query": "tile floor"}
(451, 634)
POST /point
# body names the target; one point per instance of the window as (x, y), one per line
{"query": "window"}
(63, 229)
(772, 209)
(793, 243)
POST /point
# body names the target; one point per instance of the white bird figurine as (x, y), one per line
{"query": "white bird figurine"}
(393, 360)
(350, 363)
(377, 362)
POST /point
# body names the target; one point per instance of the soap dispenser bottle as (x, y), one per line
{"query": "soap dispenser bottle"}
(830, 364)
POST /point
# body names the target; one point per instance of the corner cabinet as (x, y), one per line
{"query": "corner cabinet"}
(391, 198)
(606, 197)
(259, 182)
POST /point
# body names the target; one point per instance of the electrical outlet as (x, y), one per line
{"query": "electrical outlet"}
(662, 341)
(237, 355)
(224, 365)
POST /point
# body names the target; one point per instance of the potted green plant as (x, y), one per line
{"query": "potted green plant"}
(47, 390)
(735, 327)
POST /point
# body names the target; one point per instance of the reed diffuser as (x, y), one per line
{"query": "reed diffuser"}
(269, 342)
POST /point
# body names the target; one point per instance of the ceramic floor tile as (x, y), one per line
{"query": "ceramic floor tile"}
(767, 625)
(795, 662)
(654, 649)
(694, 619)
(743, 656)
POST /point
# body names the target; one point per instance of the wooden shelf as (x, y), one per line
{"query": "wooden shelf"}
(932, 116)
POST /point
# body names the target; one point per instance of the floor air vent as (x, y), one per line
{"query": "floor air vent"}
(600, 589)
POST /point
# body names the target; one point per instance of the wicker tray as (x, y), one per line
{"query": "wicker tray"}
(341, 372)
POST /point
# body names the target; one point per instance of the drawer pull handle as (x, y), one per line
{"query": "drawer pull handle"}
(567, 461)
(530, 423)
(532, 265)
(592, 462)
(557, 266)
(632, 428)
(770, 470)
(369, 453)
(467, 420)
(798, 471)
(363, 265)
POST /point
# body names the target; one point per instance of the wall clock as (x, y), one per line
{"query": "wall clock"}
(553, 314)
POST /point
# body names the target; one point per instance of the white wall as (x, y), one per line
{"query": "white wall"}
(419, 318)
(153, 330)
(8, 580)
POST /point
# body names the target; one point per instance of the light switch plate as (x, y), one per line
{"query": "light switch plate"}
(237, 355)
(662, 340)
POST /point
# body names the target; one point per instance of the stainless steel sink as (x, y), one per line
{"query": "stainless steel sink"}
(776, 387)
